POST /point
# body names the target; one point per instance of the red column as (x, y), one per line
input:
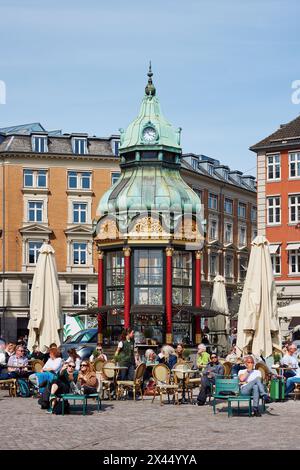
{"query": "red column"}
(127, 288)
(100, 294)
(198, 333)
(169, 336)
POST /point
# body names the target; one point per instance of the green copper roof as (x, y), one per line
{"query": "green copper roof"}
(150, 115)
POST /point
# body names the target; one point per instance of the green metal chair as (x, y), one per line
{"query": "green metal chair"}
(229, 390)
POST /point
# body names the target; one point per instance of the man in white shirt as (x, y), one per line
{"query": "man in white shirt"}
(251, 384)
(293, 375)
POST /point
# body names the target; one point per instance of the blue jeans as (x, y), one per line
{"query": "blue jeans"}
(290, 383)
(254, 388)
(42, 379)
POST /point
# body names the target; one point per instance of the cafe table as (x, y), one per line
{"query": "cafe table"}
(116, 368)
(184, 372)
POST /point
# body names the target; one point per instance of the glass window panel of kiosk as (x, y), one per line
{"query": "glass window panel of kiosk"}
(148, 271)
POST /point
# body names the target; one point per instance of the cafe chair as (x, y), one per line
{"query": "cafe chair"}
(135, 385)
(10, 385)
(161, 374)
(108, 378)
(227, 368)
(36, 365)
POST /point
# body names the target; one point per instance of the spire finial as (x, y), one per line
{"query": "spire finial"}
(150, 88)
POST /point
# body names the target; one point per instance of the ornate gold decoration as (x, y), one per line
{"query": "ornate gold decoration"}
(198, 254)
(148, 225)
(108, 230)
(127, 251)
(169, 338)
(187, 230)
(100, 338)
(169, 251)
(100, 254)
(198, 338)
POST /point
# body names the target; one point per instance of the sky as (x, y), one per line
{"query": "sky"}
(223, 69)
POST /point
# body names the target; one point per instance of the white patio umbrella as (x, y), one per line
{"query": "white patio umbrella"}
(219, 325)
(258, 324)
(45, 318)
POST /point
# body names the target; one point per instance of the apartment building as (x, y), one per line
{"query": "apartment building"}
(278, 192)
(50, 185)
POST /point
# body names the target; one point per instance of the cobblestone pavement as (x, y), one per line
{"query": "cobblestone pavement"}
(142, 425)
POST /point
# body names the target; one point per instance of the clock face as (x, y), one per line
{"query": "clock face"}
(149, 134)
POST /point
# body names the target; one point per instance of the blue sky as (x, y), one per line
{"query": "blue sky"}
(223, 69)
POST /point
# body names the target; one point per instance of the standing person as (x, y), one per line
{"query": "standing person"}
(203, 357)
(87, 378)
(73, 357)
(210, 372)
(98, 354)
(125, 354)
(251, 384)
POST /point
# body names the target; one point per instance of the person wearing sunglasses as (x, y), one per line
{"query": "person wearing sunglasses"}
(87, 379)
(210, 372)
(98, 354)
(65, 382)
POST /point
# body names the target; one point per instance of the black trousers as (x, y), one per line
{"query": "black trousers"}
(205, 389)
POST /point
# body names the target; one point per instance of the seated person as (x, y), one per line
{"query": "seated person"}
(74, 357)
(36, 353)
(137, 357)
(98, 354)
(87, 379)
(167, 356)
(202, 358)
(290, 360)
(150, 357)
(49, 371)
(10, 350)
(16, 365)
(179, 351)
(64, 383)
(251, 384)
(2, 355)
(232, 356)
(208, 378)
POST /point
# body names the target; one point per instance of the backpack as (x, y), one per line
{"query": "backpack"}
(24, 390)
(57, 410)
(44, 400)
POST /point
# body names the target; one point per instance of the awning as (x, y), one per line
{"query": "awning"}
(273, 248)
(147, 309)
(289, 311)
(294, 322)
(202, 311)
(94, 311)
(293, 246)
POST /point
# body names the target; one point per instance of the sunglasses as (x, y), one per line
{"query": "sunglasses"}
(83, 365)
(213, 357)
(72, 367)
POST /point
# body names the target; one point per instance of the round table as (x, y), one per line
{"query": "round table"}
(184, 372)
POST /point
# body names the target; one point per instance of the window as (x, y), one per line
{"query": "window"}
(182, 278)
(33, 251)
(79, 146)
(276, 262)
(273, 167)
(228, 233)
(273, 208)
(228, 206)
(116, 146)
(35, 211)
(39, 144)
(213, 229)
(243, 268)
(294, 163)
(114, 177)
(242, 236)
(228, 266)
(115, 278)
(294, 208)
(195, 163)
(79, 253)
(29, 287)
(35, 178)
(210, 169)
(253, 214)
(148, 277)
(79, 213)
(213, 264)
(294, 262)
(79, 180)
(79, 295)
(254, 233)
(242, 210)
(213, 201)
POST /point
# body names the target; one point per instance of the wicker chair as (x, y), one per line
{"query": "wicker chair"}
(265, 373)
(108, 374)
(296, 391)
(161, 374)
(135, 385)
(227, 368)
(36, 365)
(10, 385)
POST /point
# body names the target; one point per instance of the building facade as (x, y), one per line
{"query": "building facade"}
(50, 185)
(278, 193)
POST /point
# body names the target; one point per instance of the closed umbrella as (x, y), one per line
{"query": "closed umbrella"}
(45, 318)
(258, 324)
(219, 325)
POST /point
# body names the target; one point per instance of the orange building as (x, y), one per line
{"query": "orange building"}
(278, 195)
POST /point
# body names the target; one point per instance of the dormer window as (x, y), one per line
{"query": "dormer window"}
(39, 144)
(80, 146)
(115, 147)
(195, 164)
(210, 169)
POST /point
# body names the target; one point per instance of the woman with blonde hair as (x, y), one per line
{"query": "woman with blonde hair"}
(87, 378)
(167, 356)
